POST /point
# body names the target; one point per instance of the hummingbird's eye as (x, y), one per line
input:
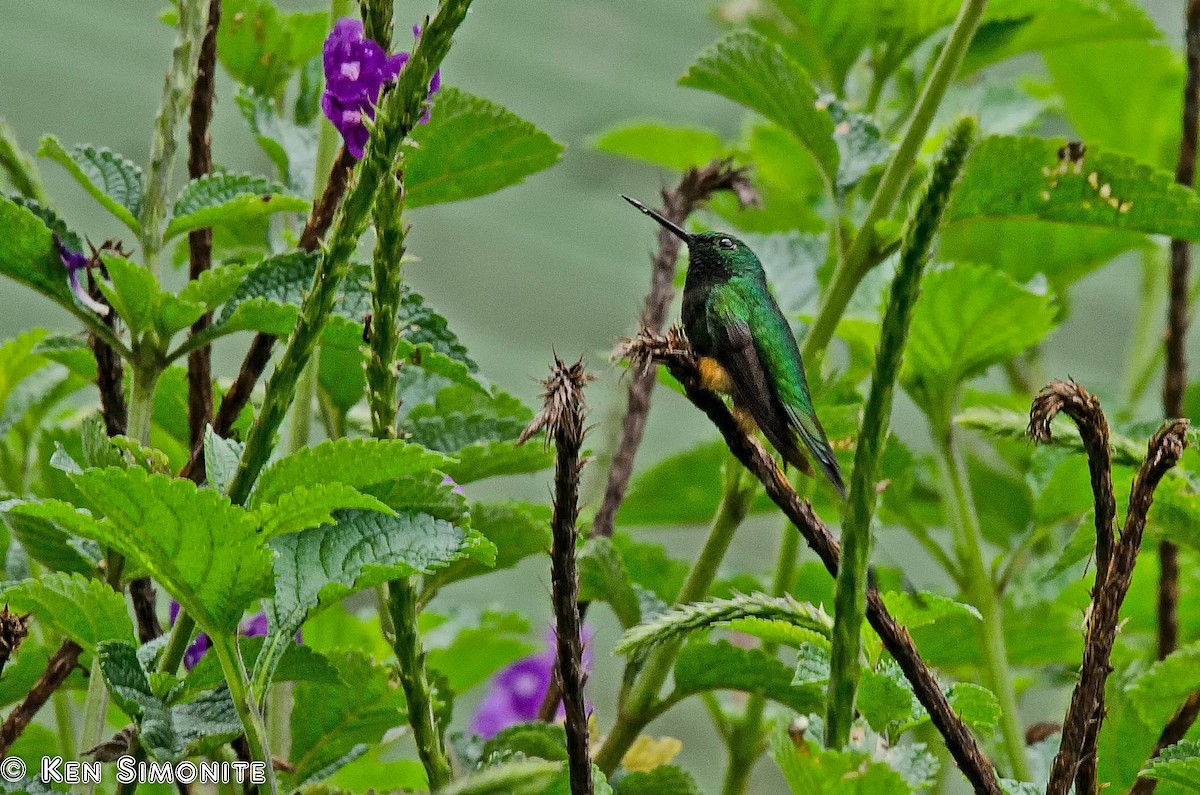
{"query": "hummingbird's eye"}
(726, 243)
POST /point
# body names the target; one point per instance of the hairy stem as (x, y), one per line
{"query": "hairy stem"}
(850, 597)
(19, 167)
(402, 604)
(638, 707)
(177, 90)
(862, 254)
(981, 593)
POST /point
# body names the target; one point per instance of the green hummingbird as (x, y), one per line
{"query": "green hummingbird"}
(745, 347)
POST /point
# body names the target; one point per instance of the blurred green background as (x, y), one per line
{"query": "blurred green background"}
(556, 264)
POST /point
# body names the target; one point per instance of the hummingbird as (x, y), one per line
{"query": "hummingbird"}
(745, 347)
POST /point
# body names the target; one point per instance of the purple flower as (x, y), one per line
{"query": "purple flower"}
(254, 626)
(449, 481)
(517, 692)
(75, 262)
(356, 69)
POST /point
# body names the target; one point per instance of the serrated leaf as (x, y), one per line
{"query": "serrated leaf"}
(260, 47)
(216, 285)
(662, 780)
(452, 431)
(471, 147)
(309, 506)
(885, 697)
(340, 716)
(538, 739)
(291, 147)
(703, 667)
(110, 178)
(362, 549)
(1021, 177)
(44, 539)
(812, 770)
(914, 610)
(224, 197)
(967, 319)
(85, 610)
(28, 254)
(812, 663)
(518, 530)
(131, 691)
(1158, 692)
(221, 458)
(976, 705)
(52, 220)
(204, 551)
(134, 292)
(661, 144)
(1177, 764)
(351, 462)
(603, 578)
(753, 71)
(492, 459)
(419, 323)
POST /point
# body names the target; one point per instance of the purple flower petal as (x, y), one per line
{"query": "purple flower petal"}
(449, 481)
(393, 65)
(74, 262)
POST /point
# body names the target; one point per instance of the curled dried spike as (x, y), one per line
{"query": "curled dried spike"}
(13, 629)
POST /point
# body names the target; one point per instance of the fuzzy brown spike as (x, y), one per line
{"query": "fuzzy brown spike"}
(562, 417)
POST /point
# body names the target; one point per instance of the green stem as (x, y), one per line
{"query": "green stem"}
(249, 712)
(95, 711)
(981, 593)
(1146, 350)
(177, 643)
(862, 255)
(141, 401)
(398, 113)
(177, 91)
(639, 707)
(850, 596)
(426, 728)
(64, 724)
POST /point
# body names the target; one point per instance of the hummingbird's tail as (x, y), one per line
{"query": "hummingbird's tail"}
(814, 439)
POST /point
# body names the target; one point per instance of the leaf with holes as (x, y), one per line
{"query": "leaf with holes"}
(471, 147)
(110, 178)
(224, 197)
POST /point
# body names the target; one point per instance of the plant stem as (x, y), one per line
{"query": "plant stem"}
(141, 401)
(20, 167)
(862, 255)
(402, 601)
(177, 643)
(981, 593)
(638, 707)
(302, 408)
(65, 725)
(397, 114)
(177, 91)
(850, 599)
(252, 721)
(95, 711)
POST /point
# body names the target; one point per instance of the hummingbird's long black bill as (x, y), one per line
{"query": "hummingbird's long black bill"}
(675, 228)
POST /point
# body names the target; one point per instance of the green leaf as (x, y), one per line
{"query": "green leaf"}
(340, 718)
(85, 610)
(967, 319)
(813, 770)
(682, 489)
(751, 70)
(28, 254)
(789, 187)
(514, 778)
(471, 147)
(703, 667)
(884, 696)
(1020, 177)
(291, 147)
(481, 646)
(671, 146)
(1166, 684)
(492, 459)
(134, 294)
(603, 578)
(216, 285)
(45, 539)
(420, 324)
(914, 610)
(351, 462)
(662, 780)
(260, 47)
(221, 458)
(1065, 253)
(650, 567)
(1177, 764)
(518, 530)
(362, 549)
(309, 506)
(542, 740)
(131, 691)
(224, 197)
(1007, 424)
(976, 705)
(110, 178)
(298, 664)
(812, 664)
(204, 551)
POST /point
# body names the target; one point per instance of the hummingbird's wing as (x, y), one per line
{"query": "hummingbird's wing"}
(755, 345)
